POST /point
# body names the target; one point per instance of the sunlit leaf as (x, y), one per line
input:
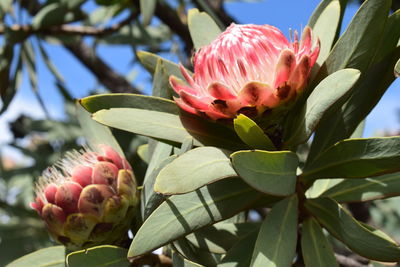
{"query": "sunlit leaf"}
(46, 257)
(105, 256)
(203, 29)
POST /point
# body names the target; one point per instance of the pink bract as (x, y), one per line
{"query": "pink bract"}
(247, 69)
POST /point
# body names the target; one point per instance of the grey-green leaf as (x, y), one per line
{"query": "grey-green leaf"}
(202, 27)
(150, 60)
(273, 173)
(95, 133)
(329, 91)
(147, 8)
(251, 133)
(315, 247)
(397, 69)
(180, 215)
(277, 239)
(356, 190)
(167, 126)
(326, 27)
(46, 257)
(105, 256)
(356, 158)
(194, 169)
(353, 234)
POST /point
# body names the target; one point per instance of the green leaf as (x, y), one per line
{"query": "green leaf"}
(356, 158)
(54, 14)
(179, 261)
(273, 173)
(108, 101)
(356, 190)
(6, 6)
(328, 92)
(277, 239)
(354, 235)
(147, 8)
(241, 252)
(397, 69)
(168, 127)
(220, 237)
(316, 249)
(320, 186)
(185, 248)
(161, 86)
(251, 133)
(202, 27)
(366, 45)
(7, 85)
(325, 25)
(105, 256)
(194, 169)
(46, 257)
(150, 60)
(143, 153)
(95, 133)
(49, 63)
(182, 214)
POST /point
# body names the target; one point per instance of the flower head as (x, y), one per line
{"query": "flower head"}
(88, 198)
(247, 69)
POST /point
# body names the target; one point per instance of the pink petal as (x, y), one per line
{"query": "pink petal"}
(179, 85)
(284, 67)
(306, 38)
(186, 75)
(54, 216)
(82, 175)
(37, 205)
(67, 197)
(299, 77)
(220, 91)
(255, 93)
(184, 106)
(93, 197)
(110, 153)
(193, 101)
(50, 193)
(105, 173)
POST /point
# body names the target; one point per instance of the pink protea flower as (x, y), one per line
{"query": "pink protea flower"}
(88, 198)
(247, 69)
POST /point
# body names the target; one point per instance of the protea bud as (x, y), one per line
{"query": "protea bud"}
(88, 198)
(248, 69)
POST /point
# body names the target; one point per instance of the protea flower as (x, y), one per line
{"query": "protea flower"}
(88, 198)
(248, 69)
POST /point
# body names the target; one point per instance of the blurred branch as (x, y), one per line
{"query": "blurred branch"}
(218, 8)
(115, 82)
(72, 29)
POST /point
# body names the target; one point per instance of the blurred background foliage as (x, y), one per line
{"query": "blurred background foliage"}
(79, 26)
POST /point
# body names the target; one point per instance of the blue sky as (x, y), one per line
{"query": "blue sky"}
(288, 14)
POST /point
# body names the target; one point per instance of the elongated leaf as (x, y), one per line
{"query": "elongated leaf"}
(46, 257)
(166, 126)
(356, 190)
(105, 256)
(95, 133)
(356, 158)
(220, 237)
(182, 214)
(326, 26)
(150, 60)
(316, 249)
(147, 8)
(161, 86)
(365, 46)
(277, 239)
(179, 261)
(240, 254)
(320, 186)
(203, 29)
(397, 69)
(344, 227)
(329, 91)
(185, 248)
(194, 169)
(151, 199)
(251, 133)
(107, 101)
(273, 173)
